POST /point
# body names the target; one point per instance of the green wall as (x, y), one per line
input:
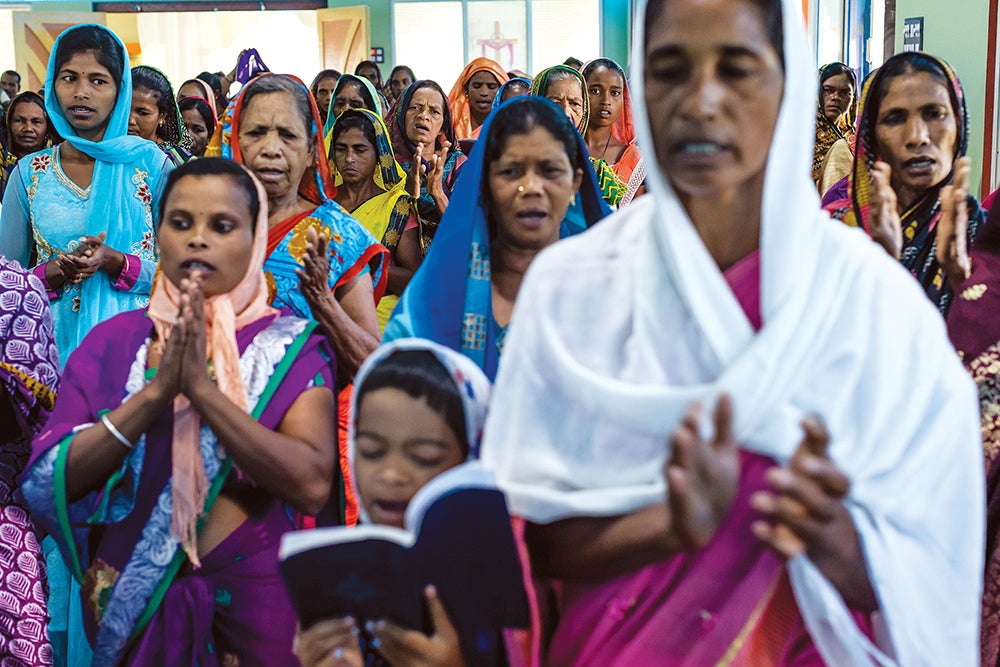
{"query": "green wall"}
(957, 32)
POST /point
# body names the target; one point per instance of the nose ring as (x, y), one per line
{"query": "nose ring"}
(520, 188)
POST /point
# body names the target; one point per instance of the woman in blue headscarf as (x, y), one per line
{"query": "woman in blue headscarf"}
(80, 213)
(518, 194)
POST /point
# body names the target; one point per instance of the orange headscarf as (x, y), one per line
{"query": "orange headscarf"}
(225, 314)
(461, 113)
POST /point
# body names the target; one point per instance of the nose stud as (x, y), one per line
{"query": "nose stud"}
(520, 188)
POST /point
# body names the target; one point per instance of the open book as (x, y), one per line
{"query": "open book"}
(458, 537)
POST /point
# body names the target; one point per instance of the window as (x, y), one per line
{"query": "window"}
(437, 38)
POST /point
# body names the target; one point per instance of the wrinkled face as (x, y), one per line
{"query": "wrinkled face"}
(400, 445)
(713, 90)
(206, 228)
(916, 130)
(531, 186)
(145, 115)
(10, 84)
(354, 156)
(424, 117)
(568, 94)
(481, 90)
(607, 93)
(399, 82)
(274, 142)
(349, 97)
(838, 94)
(197, 130)
(324, 91)
(87, 93)
(28, 126)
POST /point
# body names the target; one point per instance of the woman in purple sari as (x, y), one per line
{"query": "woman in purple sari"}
(29, 375)
(166, 497)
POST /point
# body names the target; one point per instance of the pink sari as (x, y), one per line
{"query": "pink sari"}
(730, 603)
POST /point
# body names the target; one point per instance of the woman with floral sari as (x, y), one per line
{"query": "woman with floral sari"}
(611, 130)
(372, 186)
(272, 126)
(909, 167)
(423, 139)
(181, 436)
(516, 199)
(472, 95)
(566, 87)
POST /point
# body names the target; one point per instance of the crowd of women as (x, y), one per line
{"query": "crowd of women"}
(730, 428)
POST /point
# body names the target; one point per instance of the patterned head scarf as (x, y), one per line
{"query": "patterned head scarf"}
(225, 314)
(473, 388)
(172, 131)
(827, 133)
(401, 145)
(388, 174)
(919, 221)
(317, 182)
(541, 84)
(460, 100)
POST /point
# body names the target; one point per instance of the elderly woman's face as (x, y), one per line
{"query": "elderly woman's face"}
(713, 86)
(916, 131)
(274, 142)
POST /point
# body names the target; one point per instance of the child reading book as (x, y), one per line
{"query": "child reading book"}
(419, 411)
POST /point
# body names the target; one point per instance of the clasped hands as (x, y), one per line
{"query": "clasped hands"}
(91, 256)
(803, 508)
(183, 368)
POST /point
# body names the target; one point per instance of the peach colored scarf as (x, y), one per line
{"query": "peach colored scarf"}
(224, 315)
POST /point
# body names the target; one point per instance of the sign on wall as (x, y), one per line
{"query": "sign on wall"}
(913, 34)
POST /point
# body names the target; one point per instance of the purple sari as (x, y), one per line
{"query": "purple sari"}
(29, 375)
(142, 603)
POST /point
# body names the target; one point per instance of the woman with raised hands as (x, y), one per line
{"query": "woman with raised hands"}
(910, 177)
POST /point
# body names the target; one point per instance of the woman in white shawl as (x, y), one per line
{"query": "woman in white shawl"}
(832, 510)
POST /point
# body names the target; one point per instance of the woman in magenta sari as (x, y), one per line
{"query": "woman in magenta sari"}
(708, 408)
(182, 435)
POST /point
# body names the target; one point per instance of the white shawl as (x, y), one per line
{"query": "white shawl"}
(618, 330)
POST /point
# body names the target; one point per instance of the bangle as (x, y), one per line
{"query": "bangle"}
(115, 432)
